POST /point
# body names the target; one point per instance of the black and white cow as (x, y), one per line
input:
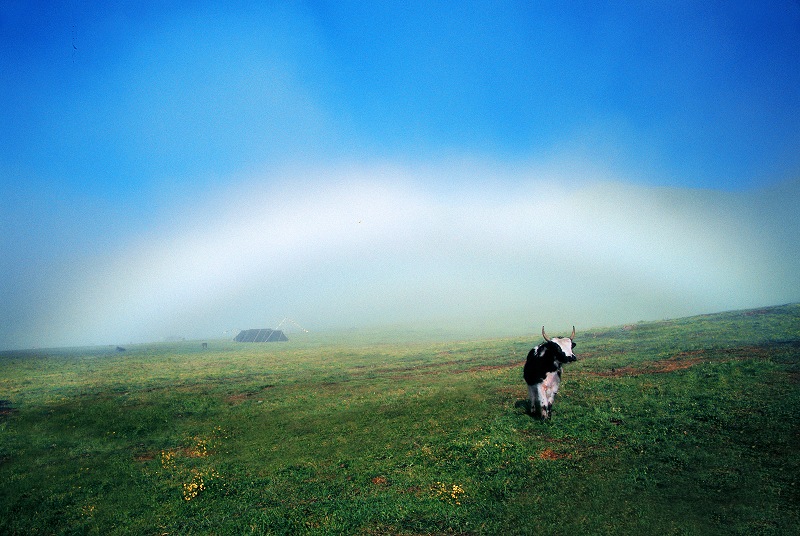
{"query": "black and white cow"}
(542, 371)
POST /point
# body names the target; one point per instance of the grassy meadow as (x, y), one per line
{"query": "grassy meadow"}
(688, 426)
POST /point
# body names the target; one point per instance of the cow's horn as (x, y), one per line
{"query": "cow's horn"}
(545, 335)
(573, 333)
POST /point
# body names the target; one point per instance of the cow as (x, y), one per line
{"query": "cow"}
(542, 371)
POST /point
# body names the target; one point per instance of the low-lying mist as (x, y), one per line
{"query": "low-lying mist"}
(371, 247)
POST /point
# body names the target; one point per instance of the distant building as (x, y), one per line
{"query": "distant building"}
(260, 335)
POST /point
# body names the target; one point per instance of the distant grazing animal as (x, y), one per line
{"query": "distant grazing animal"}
(205, 345)
(542, 371)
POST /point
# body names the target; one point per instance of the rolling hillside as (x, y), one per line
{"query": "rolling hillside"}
(686, 426)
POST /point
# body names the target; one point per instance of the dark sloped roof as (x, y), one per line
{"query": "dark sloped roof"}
(260, 335)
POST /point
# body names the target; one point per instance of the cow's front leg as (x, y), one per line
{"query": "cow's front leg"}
(551, 396)
(547, 405)
(550, 387)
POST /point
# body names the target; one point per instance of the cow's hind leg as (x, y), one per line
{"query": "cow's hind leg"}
(539, 403)
(532, 398)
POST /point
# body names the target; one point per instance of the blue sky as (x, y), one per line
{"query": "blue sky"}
(130, 127)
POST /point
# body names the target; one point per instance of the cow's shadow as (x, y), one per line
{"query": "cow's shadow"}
(525, 405)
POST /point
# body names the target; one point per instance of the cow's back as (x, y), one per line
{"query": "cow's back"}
(537, 366)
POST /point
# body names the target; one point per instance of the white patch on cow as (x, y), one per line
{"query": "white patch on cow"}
(565, 343)
(550, 386)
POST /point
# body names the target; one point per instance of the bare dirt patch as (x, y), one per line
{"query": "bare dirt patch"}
(6, 408)
(239, 398)
(444, 367)
(685, 360)
(486, 368)
(654, 367)
(550, 454)
(757, 312)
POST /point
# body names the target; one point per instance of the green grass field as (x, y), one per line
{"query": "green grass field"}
(689, 426)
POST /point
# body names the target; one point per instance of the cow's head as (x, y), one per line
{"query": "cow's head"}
(566, 344)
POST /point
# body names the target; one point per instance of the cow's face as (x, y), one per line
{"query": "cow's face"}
(566, 344)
